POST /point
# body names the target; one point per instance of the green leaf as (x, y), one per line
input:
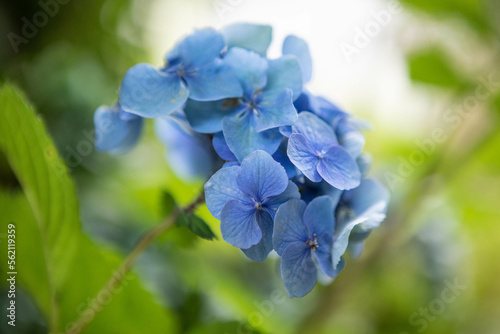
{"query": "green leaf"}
(167, 203)
(189, 220)
(196, 225)
(61, 268)
(43, 177)
(431, 66)
(473, 12)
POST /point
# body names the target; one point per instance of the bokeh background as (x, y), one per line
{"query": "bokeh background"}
(429, 83)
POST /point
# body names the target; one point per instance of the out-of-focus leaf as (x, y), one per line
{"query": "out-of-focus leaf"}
(60, 267)
(432, 67)
(473, 12)
(167, 203)
(190, 311)
(44, 179)
(30, 261)
(189, 220)
(196, 225)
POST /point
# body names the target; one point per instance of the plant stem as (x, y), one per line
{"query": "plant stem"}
(127, 263)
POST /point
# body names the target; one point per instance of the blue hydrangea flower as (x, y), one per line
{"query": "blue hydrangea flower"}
(303, 236)
(345, 127)
(313, 148)
(116, 130)
(294, 167)
(251, 122)
(245, 199)
(189, 154)
(253, 37)
(360, 210)
(193, 69)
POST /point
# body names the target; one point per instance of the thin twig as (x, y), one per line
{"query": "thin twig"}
(127, 263)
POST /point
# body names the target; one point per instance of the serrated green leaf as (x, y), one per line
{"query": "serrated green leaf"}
(43, 177)
(61, 267)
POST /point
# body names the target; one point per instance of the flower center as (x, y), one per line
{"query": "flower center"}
(251, 104)
(180, 70)
(313, 242)
(258, 205)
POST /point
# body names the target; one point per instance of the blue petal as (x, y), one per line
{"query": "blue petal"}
(243, 139)
(253, 37)
(350, 138)
(260, 251)
(324, 254)
(249, 68)
(150, 93)
(298, 47)
(189, 154)
(318, 217)
(306, 102)
(356, 242)
(231, 164)
(364, 162)
(221, 147)
(222, 188)
(341, 240)
(318, 133)
(214, 81)
(206, 117)
(276, 112)
(197, 49)
(286, 130)
(126, 116)
(283, 159)
(328, 111)
(368, 202)
(332, 192)
(261, 177)
(339, 169)
(283, 73)
(302, 155)
(289, 225)
(366, 205)
(298, 271)
(272, 204)
(319, 220)
(238, 224)
(114, 133)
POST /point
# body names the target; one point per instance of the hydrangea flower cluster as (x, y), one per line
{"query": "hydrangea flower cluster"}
(291, 169)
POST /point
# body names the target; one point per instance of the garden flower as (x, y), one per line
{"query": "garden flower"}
(116, 130)
(313, 148)
(251, 122)
(292, 167)
(246, 199)
(193, 69)
(303, 236)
